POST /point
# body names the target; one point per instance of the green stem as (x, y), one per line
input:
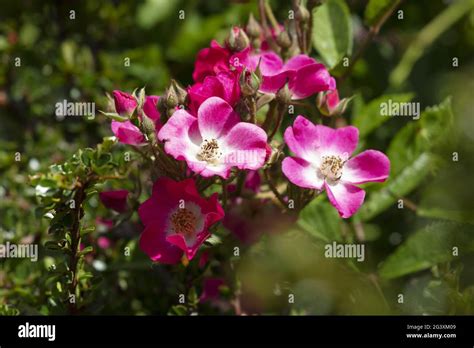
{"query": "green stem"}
(426, 37)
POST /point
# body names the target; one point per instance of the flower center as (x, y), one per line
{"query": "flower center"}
(209, 151)
(184, 222)
(331, 167)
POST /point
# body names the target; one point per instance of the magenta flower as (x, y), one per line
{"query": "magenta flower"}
(177, 219)
(115, 200)
(215, 141)
(211, 61)
(224, 85)
(323, 162)
(211, 289)
(125, 105)
(305, 75)
(271, 66)
(127, 133)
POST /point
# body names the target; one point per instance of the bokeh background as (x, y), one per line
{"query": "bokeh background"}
(82, 59)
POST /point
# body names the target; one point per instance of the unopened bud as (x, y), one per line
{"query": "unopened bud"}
(302, 14)
(237, 39)
(283, 96)
(180, 92)
(148, 126)
(250, 82)
(284, 40)
(253, 27)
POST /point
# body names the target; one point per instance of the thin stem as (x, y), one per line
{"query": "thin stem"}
(271, 17)
(224, 194)
(373, 31)
(281, 111)
(272, 187)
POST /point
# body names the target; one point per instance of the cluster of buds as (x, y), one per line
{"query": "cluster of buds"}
(174, 97)
(237, 40)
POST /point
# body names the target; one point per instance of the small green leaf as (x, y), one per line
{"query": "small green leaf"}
(178, 310)
(397, 187)
(332, 31)
(114, 116)
(429, 246)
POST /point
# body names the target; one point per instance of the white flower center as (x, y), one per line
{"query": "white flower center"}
(209, 152)
(331, 168)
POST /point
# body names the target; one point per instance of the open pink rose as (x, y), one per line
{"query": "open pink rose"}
(177, 220)
(116, 200)
(323, 161)
(304, 74)
(215, 141)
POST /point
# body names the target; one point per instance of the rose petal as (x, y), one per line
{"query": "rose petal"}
(127, 132)
(245, 146)
(303, 139)
(309, 80)
(215, 118)
(154, 244)
(181, 136)
(370, 165)
(346, 198)
(301, 173)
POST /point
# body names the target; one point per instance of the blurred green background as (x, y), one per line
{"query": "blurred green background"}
(81, 59)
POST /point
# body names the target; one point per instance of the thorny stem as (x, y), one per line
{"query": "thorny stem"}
(373, 31)
(79, 198)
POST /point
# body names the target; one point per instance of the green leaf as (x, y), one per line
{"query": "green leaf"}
(114, 116)
(320, 219)
(398, 187)
(410, 157)
(427, 247)
(462, 216)
(376, 9)
(332, 31)
(368, 117)
(419, 136)
(179, 310)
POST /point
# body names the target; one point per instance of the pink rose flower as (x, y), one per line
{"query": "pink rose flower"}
(215, 141)
(304, 74)
(211, 289)
(104, 242)
(125, 105)
(224, 85)
(177, 219)
(323, 162)
(115, 200)
(211, 61)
